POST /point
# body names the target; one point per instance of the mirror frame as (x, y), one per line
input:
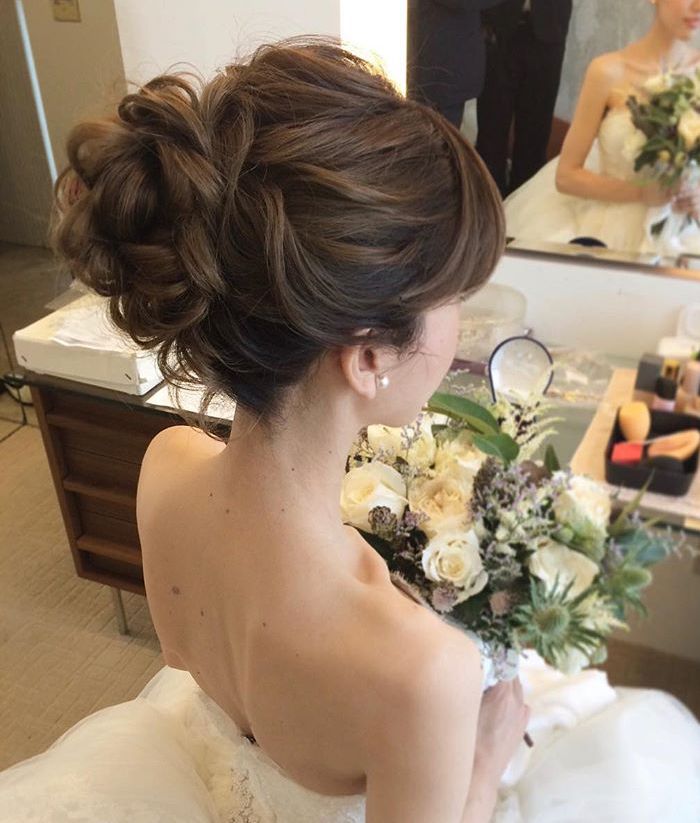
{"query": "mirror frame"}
(680, 267)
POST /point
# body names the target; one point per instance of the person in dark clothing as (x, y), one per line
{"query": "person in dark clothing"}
(525, 43)
(446, 53)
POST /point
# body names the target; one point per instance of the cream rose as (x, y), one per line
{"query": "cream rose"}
(443, 499)
(461, 450)
(368, 486)
(689, 128)
(392, 442)
(552, 559)
(656, 84)
(453, 557)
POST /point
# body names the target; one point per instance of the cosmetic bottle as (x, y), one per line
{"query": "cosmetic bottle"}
(691, 376)
(665, 396)
(671, 368)
(689, 386)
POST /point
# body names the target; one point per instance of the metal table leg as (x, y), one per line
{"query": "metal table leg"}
(119, 612)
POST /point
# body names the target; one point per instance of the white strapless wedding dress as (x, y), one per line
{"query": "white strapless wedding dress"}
(538, 212)
(601, 754)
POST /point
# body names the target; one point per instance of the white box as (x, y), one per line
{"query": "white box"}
(78, 342)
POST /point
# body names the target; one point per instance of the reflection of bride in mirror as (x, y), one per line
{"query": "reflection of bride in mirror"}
(592, 189)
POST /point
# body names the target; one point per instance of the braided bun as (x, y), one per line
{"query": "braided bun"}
(248, 225)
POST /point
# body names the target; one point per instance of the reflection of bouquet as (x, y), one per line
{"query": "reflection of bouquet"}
(521, 553)
(669, 122)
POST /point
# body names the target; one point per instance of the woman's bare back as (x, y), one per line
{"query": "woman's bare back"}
(294, 646)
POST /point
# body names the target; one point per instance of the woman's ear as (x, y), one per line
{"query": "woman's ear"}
(360, 367)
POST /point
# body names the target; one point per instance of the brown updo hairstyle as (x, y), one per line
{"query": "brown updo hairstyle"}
(247, 225)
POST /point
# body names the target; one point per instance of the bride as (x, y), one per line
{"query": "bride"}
(592, 190)
(299, 236)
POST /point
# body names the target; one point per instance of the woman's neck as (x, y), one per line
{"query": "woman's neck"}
(294, 467)
(662, 50)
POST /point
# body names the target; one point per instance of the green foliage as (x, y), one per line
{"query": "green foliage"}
(665, 151)
(497, 445)
(622, 523)
(551, 461)
(487, 434)
(586, 538)
(552, 623)
(644, 546)
(474, 416)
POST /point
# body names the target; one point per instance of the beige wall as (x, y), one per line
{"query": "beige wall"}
(597, 26)
(25, 181)
(79, 65)
(208, 34)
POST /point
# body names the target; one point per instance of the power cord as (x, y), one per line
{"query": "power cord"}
(13, 381)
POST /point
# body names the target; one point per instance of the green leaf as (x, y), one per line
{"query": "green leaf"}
(621, 524)
(438, 428)
(474, 415)
(498, 445)
(551, 461)
(642, 547)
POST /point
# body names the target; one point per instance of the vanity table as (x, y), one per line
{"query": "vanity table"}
(681, 512)
(95, 440)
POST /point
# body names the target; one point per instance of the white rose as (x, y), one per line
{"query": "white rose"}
(392, 441)
(656, 84)
(584, 510)
(552, 559)
(689, 128)
(369, 486)
(453, 557)
(591, 498)
(459, 449)
(443, 499)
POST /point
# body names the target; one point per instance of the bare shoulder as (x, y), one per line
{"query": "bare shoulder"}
(422, 724)
(176, 446)
(415, 662)
(606, 70)
(178, 439)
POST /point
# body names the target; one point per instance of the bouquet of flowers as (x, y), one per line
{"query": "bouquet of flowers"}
(520, 553)
(668, 131)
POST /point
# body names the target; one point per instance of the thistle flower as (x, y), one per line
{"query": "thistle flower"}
(384, 523)
(443, 598)
(554, 625)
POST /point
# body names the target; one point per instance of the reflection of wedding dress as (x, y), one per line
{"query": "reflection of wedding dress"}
(538, 212)
(605, 755)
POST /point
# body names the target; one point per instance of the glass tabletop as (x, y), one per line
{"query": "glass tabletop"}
(581, 379)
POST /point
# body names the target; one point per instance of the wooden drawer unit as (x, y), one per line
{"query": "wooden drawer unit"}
(95, 440)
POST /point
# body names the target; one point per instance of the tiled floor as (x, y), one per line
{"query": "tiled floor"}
(61, 655)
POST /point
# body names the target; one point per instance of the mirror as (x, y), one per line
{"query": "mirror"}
(509, 73)
(520, 367)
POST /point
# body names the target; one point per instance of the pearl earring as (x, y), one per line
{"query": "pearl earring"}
(383, 381)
